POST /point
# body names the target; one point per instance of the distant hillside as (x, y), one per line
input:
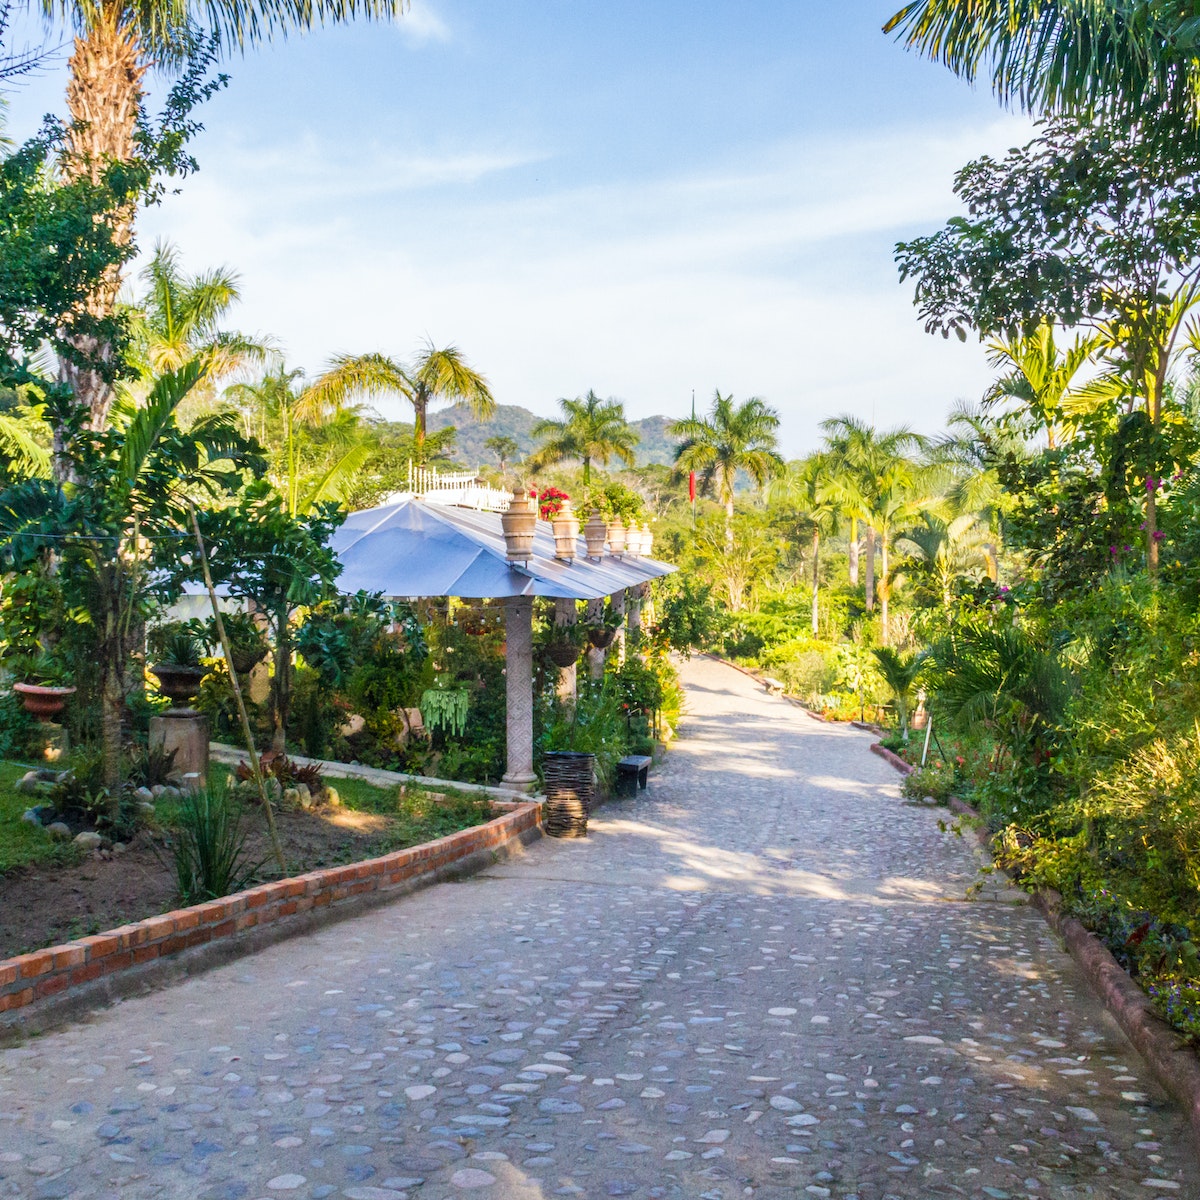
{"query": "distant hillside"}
(511, 420)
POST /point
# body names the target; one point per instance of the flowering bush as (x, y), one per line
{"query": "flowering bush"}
(550, 503)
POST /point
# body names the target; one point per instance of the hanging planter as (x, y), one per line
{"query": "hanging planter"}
(601, 636)
(519, 523)
(563, 653)
(566, 532)
(42, 701)
(595, 533)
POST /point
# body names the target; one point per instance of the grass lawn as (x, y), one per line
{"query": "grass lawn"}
(23, 844)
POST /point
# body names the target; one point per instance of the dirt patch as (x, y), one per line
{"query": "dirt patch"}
(45, 905)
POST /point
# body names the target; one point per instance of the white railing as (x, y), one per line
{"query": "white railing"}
(461, 489)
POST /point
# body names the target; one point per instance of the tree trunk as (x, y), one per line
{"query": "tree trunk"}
(990, 554)
(853, 552)
(1152, 527)
(816, 612)
(729, 525)
(587, 471)
(104, 97)
(420, 406)
(283, 682)
(883, 590)
(869, 571)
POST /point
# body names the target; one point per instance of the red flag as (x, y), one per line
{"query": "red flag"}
(692, 486)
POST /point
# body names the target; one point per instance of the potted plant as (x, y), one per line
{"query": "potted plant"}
(177, 648)
(246, 641)
(44, 686)
(565, 644)
(519, 523)
(601, 636)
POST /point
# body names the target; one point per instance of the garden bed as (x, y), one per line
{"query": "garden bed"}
(51, 892)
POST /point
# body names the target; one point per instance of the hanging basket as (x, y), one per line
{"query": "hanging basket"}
(563, 654)
(601, 637)
(570, 791)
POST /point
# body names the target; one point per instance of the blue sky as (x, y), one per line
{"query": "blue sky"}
(644, 198)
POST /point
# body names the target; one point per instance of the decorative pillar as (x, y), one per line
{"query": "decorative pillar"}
(564, 614)
(635, 616)
(595, 613)
(618, 644)
(518, 623)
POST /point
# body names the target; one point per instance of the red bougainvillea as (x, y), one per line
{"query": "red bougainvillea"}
(550, 503)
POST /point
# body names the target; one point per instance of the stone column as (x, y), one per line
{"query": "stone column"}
(518, 622)
(595, 611)
(618, 644)
(564, 614)
(634, 620)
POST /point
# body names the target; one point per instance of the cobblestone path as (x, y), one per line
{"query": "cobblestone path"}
(761, 978)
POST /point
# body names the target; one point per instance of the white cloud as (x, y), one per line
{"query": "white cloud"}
(769, 275)
(422, 24)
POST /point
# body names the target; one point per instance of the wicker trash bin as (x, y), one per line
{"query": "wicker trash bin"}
(570, 789)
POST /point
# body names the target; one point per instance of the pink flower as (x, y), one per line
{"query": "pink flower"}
(1158, 535)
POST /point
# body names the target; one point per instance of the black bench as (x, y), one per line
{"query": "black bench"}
(632, 773)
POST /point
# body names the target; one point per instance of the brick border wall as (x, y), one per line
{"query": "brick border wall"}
(106, 965)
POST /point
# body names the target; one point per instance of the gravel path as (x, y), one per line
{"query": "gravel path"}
(760, 978)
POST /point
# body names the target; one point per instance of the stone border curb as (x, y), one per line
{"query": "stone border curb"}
(231, 756)
(39, 989)
(895, 759)
(1172, 1062)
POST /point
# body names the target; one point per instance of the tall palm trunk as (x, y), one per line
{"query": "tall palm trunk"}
(729, 524)
(420, 408)
(104, 97)
(884, 587)
(853, 552)
(816, 611)
(869, 583)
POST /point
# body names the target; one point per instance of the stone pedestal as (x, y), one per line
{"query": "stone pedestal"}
(186, 732)
(518, 623)
(56, 743)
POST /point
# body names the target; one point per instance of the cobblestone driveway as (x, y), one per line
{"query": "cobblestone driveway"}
(761, 978)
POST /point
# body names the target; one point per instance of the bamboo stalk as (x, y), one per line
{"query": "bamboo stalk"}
(247, 733)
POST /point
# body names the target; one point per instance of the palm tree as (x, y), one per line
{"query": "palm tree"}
(860, 456)
(285, 416)
(900, 672)
(946, 549)
(504, 448)
(432, 376)
(116, 42)
(1039, 376)
(730, 439)
(1065, 54)
(810, 486)
(591, 430)
(180, 317)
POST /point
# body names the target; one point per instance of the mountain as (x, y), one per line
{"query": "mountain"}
(511, 420)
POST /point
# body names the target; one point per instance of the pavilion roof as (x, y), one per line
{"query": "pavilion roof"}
(415, 549)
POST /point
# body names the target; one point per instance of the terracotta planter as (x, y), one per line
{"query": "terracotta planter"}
(178, 684)
(563, 654)
(601, 637)
(595, 533)
(566, 533)
(519, 524)
(43, 702)
(616, 537)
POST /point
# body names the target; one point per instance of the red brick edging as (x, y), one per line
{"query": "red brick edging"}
(102, 966)
(1172, 1062)
(895, 759)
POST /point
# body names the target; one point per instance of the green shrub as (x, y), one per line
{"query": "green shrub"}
(936, 781)
(209, 847)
